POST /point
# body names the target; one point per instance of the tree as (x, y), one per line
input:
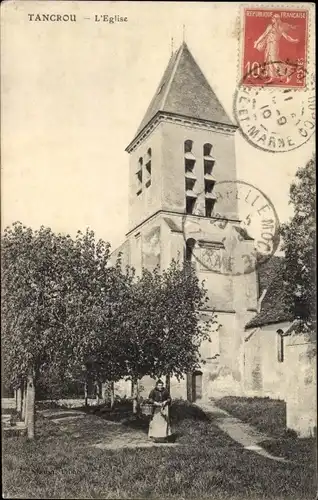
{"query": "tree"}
(54, 290)
(162, 324)
(107, 360)
(299, 244)
(139, 327)
(68, 315)
(182, 332)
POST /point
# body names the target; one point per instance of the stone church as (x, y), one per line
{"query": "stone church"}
(184, 147)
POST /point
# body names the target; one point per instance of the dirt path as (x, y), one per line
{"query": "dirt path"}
(240, 432)
(117, 437)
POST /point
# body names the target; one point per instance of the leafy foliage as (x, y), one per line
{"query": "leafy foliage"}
(69, 317)
(162, 316)
(181, 331)
(54, 295)
(299, 236)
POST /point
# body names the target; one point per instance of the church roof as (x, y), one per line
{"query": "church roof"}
(275, 304)
(184, 90)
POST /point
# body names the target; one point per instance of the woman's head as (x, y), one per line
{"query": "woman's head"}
(159, 385)
(276, 19)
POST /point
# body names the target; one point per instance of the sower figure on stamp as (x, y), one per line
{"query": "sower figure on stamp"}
(269, 42)
(159, 427)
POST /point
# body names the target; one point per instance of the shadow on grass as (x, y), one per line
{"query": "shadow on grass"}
(293, 448)
(267, 415)
(180, 411)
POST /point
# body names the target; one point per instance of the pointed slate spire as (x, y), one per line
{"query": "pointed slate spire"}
(184, 90)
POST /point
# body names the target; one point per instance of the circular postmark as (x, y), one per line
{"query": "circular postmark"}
(223, 244)
(275, 119)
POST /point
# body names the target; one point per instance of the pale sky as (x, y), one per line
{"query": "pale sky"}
(74, 93)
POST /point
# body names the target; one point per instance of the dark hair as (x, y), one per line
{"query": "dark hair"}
(159, 382)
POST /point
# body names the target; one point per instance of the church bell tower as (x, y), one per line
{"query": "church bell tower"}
(183, 146)
(182, 149)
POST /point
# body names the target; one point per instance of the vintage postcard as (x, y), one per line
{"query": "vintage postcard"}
(158, 250)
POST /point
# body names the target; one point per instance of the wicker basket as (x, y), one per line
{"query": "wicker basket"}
(146, 409)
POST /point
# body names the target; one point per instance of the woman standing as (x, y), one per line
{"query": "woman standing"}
(269, 42)
(159, 427)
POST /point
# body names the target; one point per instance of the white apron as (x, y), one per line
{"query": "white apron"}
(159, 427)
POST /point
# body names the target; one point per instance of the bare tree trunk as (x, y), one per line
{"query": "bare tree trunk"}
(104, 391)
(24, 401)
(86, 393)
(112, 395)
(135, 396)
(100, 390)
(19, 401)
(97, 392)
(30, 406)
(168, 383)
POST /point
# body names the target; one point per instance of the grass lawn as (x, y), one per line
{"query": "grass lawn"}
(267, 415)
(62, 463)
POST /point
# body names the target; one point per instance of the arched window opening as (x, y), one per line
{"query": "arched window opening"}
(207, 149)
(208, 160)
(189, 158)
(139, 176)
(190, 177)
(148, 168)
(188, 146)
(190, 244)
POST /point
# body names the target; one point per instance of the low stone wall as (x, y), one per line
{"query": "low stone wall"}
(8, 403)
(69, 403)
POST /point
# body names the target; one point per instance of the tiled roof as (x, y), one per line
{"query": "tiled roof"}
(268, 271)
(274, 306)
(184, 90)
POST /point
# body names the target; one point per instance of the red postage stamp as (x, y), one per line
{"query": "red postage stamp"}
(274, 47)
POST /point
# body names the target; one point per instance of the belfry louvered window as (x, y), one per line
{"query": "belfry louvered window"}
(208, 159)
(148, 168)
(190, 177)
(139, 177)
(189, 158)
(209, 181)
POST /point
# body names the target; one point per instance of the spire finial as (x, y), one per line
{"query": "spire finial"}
(183, 33)
(171, 45)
